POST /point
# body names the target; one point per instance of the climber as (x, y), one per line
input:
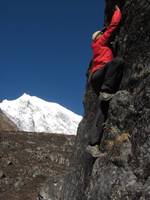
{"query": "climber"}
(104, 76)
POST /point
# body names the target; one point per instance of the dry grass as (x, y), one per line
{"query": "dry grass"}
(118, 141)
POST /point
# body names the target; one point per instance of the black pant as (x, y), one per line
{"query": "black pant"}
(108, 80)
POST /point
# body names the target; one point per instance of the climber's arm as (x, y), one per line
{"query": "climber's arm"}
(116, 18)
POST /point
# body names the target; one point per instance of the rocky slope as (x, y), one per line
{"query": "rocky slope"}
(124, 173)
(6, 124)
(28, 159)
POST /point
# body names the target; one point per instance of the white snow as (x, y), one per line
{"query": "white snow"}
(33, 114)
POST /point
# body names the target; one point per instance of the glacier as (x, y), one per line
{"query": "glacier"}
(33, 114)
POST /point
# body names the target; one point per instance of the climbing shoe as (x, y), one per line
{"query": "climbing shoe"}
(94, 151)
(105, 96)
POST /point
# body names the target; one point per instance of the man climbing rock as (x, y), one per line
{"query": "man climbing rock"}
(104, 76)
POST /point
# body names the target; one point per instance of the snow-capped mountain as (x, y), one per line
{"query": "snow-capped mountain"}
(33, 114)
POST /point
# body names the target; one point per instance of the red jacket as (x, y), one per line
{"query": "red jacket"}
(102, 54)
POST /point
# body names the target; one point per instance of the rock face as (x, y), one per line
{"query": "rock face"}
(124, 173)
(27, 159)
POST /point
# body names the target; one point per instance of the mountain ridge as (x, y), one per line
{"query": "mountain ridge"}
(33, 114)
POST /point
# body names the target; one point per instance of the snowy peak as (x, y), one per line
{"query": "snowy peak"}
(25, 97)
(33, 114)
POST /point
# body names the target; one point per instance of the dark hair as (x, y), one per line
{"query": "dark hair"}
(103, 30)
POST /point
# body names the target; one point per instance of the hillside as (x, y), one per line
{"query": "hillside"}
(28, 159)
(6, 124)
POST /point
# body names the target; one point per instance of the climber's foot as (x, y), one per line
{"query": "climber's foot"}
(95, 151)
(105, 96)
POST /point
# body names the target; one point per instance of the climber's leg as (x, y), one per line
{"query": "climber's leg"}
(95, 138)
(113, 76)
(101, 116)
(97, 80)
(97, 128)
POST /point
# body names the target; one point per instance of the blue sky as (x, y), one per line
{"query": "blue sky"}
(45, 48)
